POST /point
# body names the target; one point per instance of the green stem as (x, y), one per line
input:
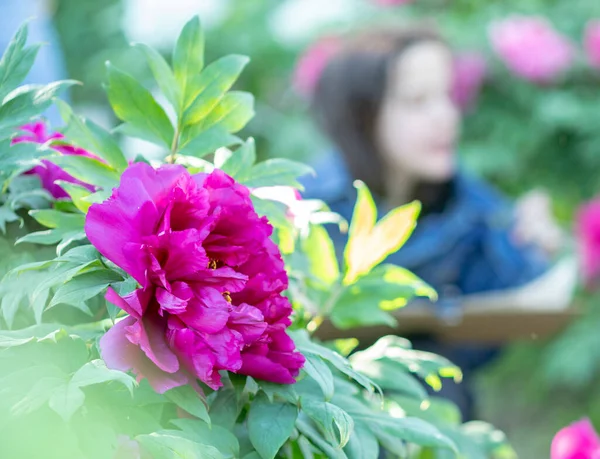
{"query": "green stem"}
(175, 144)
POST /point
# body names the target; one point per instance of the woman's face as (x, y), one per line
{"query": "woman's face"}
(418, 123)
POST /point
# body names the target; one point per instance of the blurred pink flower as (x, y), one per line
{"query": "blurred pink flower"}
(592, 42)
(48, 172)
(531, 48)
(211, 280)
(469, 74)
(312, 63)
(576, 441)
(588, 235)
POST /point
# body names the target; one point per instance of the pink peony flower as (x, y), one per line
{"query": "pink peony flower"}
(48, 172)
(211, 280)
(588, 235)
(592, 42)
(469, 73)
(312, 63)
(531, 48)
(577, 441)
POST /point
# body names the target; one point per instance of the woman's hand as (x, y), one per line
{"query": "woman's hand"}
(535, 223)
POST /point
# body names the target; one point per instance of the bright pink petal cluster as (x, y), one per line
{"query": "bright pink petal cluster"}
(591, 42)
(48, 172)
(312, 63)
(577, 441)
(531, 48)
(211, 280)
(588, 235)
(470, 70)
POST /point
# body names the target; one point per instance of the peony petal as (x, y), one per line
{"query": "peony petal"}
(577, 441)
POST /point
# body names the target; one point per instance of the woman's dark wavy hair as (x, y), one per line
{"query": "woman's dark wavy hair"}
(350, 92)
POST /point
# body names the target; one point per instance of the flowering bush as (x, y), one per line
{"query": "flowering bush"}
(187, 274)
(531, 48)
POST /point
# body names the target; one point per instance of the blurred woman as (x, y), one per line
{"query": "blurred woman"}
(385, 100)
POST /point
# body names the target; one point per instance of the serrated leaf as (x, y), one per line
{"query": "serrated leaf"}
(189, 400)
(270, 425)
(163, 75)
(188, 57)
(66, 400)
(318, 370)
(210, 86)
(275, 172)
(209, 141)
(96, 372)
(134, 104)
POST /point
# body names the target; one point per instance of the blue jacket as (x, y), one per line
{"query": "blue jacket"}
(465, 249)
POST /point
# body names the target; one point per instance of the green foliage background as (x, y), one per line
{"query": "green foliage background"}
(519, 136)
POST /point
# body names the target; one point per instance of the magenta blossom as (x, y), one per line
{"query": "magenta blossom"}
(312, 63)
(531, 48)
(591, 42)
(48, 172)
(469, 73)
(211, 280)
(588, 235)
(577, 441)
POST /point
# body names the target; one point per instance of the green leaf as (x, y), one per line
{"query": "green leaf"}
(189, 400)
(91, 137)
(188, 57)
(317, 439)
(360, 312)
(162, 74)
(270, 425)
(216, 436)
(77, 194)
(318, 370)
(37, 396)
(47, 237)
(275, 172)
(370, 243)
(304, 344)
(6, 216)
(233, 112)
(335, 424)
(224, 409)
(392, 376)
(16, 62)
(88, 170)
(51, 218)
(83, 287)
(134, 104)
(241, 160)
(66, 400)
(96, 372)
(25, 103)
(208, 141)
(362, 444)
(211, 85)
(169, 446)
(413, 430)
(322, 259)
